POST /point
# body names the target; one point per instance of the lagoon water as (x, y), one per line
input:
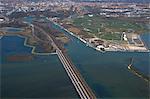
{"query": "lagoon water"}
(42, 77)
(106, 73)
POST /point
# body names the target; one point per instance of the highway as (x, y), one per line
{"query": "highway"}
(80, 85)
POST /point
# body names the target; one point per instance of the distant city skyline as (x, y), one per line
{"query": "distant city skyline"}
(136, 1)
(116, 0)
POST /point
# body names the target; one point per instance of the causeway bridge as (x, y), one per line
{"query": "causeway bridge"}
(79, 83)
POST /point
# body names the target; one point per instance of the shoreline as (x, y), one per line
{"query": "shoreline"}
(27, 45)
(146, 45)
(88, 44)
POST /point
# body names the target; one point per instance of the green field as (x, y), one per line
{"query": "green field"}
(106, 28)
(110, 36)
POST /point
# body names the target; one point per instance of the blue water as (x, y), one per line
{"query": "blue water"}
(107, 73)
(146, 38)
(11, 45)
(12, 29)
(42, 77)
(28, 19)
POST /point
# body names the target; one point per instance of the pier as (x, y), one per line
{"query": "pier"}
(136, 72)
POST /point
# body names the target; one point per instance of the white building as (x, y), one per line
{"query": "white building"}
(1, 20)
(100, 47)
(125, 37)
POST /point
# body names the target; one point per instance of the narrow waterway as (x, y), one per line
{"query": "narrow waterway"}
(146, 38)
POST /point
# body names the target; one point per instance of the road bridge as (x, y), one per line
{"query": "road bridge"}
(83, 90)
(80, 85)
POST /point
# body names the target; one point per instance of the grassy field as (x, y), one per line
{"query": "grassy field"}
(110, 36)
(106, 28)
